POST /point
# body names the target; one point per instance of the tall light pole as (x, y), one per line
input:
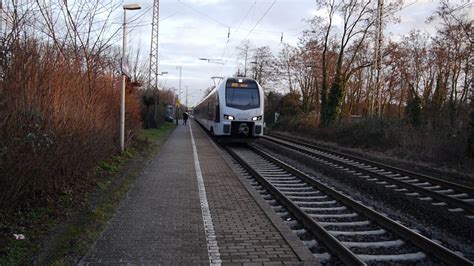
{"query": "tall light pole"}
(124, 74)
(215, 61)
(255, 74)
(155, 100)
(179, 91)
(186, 97)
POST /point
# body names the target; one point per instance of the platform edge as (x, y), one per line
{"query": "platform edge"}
(301, 251)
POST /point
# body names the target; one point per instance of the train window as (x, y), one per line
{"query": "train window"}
(242, 95)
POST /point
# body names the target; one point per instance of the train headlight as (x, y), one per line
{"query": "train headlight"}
(257, 118)
(229, 117)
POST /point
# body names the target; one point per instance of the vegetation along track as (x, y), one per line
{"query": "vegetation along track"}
(354, 233)
(455, 197)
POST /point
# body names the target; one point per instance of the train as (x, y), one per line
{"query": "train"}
(233, 109)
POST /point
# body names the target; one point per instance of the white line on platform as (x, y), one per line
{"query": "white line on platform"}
(212, 247)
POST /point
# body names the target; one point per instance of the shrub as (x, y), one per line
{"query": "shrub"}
(470, 143)
(59, 118)
(154, 106)
(301, 123)
(413, 111)
(393, 136)
(369, 133)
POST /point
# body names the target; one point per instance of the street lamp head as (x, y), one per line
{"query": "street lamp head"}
(212, 60)
(132, 7)
(162, 73)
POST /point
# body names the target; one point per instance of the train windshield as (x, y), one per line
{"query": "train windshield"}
(242, 94)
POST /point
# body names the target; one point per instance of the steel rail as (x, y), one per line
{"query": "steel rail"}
(438, 196)
(417, 239)
(434, 180)
(336, 247)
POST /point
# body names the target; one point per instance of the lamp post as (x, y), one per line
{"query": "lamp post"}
(255, 63)
(124, 75)
(179, 90)
(186, 97)
(215, 61)
(156, 101)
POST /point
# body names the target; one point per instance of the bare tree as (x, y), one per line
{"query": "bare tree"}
(244, 53)
(58, 96)
(358, 18)
(284, 64)
(262, 65)
(331, 7)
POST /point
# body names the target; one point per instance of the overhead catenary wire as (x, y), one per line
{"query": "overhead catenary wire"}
(202, 13)
(261, 18)
(232, 30)
(253, 29)
(248, 34)
(238, 27)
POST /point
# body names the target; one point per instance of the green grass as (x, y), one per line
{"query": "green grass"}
(154, 134)
(16, 251)
(32, 223)
(85, 224)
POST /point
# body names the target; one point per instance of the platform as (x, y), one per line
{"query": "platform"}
(189, 207)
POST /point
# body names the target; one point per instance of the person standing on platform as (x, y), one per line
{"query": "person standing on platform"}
(185, 118)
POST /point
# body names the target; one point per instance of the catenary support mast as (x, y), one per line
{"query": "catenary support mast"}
(153, 70)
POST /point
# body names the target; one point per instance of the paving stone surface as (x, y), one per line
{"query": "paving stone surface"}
(244, 233)
(160, 220)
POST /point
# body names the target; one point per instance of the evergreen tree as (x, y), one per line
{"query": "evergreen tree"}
(272, 106)
(413, 111)
(333, 104)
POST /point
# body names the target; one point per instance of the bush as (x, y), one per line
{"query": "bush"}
(413, 111)
(369, 133)
(154, 107)
(59, 119)
(301, 123)
(470, 144)
(393, 136)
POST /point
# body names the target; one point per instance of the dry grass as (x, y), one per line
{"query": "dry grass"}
(58, 120)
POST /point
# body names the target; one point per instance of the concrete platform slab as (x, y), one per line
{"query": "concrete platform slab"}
(164, 220)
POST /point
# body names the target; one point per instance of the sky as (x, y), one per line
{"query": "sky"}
(193, 29)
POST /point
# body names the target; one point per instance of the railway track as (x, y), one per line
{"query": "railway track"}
(353, 233)
(456, 198)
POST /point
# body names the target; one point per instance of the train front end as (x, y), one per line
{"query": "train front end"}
(242, 110)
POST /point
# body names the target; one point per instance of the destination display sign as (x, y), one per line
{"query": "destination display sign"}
(241, 83)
